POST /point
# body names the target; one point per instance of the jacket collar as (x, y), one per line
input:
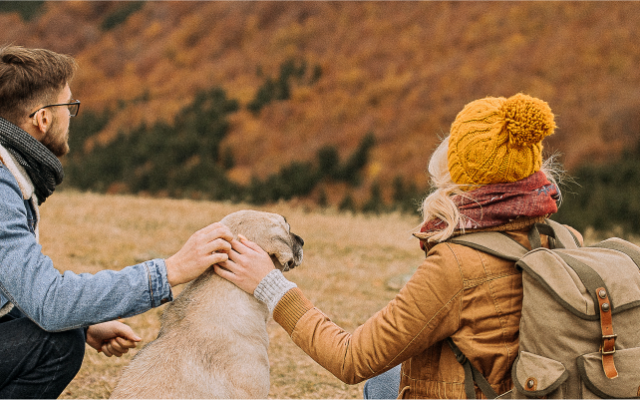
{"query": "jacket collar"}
(18, 172)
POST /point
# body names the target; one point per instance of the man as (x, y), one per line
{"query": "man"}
(45, 316)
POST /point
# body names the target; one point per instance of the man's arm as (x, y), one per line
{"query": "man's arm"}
(59, 302)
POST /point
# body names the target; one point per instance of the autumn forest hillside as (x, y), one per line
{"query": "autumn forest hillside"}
(337, 103)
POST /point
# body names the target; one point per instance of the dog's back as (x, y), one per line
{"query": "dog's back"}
(212, 344)
(213, 340)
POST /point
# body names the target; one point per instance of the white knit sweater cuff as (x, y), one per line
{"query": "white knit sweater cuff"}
(272, 287)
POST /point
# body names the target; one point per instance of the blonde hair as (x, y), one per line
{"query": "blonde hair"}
(439, 203)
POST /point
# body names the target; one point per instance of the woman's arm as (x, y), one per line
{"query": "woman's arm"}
(426, 310)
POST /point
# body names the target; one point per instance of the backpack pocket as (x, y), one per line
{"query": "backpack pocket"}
(626, 385)
(537, 376)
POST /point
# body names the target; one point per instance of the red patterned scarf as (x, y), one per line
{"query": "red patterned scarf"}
(498, 204)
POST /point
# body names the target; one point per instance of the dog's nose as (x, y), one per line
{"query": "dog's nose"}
(299, 239)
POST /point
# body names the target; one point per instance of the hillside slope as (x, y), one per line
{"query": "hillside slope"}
(400, 70)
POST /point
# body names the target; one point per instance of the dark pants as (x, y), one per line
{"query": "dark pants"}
(35, 364)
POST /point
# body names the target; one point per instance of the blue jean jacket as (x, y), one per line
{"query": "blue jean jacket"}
(58, 302)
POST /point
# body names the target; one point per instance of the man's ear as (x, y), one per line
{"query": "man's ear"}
(42, 121)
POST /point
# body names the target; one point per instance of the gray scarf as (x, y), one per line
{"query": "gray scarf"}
(43, 167)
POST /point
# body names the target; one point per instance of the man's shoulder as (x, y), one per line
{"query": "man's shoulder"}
(17, 174)
(9, 187)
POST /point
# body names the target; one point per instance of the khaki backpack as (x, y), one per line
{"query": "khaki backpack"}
(580, 323)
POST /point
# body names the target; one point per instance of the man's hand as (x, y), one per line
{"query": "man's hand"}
(247, 265)
(204, 248)
(113, 338)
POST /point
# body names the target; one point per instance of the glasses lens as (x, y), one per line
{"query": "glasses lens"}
(73, 109)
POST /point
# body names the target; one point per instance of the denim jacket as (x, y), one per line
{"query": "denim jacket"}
(58, 302)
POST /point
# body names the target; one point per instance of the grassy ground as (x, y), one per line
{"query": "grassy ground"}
(347, 262)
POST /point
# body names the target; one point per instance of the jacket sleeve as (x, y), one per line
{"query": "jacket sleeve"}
(425, 311)
(58, 302)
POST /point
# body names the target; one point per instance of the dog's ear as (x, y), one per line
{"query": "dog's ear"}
(269, 231)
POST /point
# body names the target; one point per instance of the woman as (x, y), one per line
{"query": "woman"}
(488, 176)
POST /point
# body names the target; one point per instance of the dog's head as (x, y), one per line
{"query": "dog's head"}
(271, 232)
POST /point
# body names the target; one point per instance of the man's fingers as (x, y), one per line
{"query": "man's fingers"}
(125, 343)
(216, 230)
(124, 331)
(121, 345)
(218, 245)
(114, 350)
(216, 258)
(114, 345)
(106, 350)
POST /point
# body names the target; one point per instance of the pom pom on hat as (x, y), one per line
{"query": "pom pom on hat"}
(527, 120)
(498, 140)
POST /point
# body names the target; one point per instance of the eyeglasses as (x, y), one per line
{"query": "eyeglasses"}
(74, 107)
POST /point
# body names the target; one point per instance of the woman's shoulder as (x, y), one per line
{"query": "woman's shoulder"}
(449, 261)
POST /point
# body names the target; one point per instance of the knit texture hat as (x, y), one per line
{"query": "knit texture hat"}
(498, 140)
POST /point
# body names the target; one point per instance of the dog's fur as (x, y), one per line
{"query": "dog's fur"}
(213, 340)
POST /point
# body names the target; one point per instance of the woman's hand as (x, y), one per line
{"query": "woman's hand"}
(204, 248)
(113, 338)
(246, 266)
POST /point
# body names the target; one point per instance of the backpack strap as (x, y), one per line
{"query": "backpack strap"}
(564, 238)
(503, 246)
(471, 375)
(494, 243)
(499, 245)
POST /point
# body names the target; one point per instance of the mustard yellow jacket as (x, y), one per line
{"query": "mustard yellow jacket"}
(457, 292)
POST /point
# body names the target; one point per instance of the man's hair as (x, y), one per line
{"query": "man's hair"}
(29, 77)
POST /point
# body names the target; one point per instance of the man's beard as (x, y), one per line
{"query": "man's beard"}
(57, 139)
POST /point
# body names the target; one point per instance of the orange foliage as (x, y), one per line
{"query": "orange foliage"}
(401, 70)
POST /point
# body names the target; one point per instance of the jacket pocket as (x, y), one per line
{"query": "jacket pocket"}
(537, 376)
(595, 382)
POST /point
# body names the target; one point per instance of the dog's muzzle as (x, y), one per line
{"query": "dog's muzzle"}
(296, 247)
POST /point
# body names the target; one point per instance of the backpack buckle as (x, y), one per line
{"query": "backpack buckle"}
(608, 337)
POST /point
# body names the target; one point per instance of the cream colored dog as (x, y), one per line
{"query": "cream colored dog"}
(213, 340)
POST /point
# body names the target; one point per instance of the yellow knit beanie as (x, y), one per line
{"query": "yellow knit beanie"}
(498, 140)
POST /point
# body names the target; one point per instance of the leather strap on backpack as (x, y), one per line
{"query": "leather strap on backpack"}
(608, 345)
(471, 375)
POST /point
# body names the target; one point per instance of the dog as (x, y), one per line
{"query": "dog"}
(213, 339)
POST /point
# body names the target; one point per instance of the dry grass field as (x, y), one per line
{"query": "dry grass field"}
(347, 262)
